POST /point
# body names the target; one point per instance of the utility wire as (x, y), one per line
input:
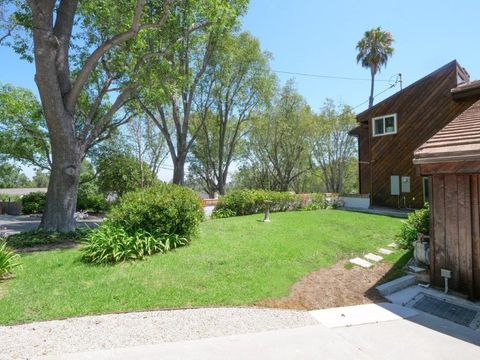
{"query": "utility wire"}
(381, 92)
(326, 76)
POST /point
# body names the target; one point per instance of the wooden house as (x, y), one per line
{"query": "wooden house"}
(390, 131)
(451, 160)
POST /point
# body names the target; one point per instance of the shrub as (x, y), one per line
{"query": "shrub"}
(317, 202)
(34, 203)
(145, 222)
(92, 202)
(8, 260)
(8, 197)
(417, 222)
(164, 208)
(245, 202)
(110, 244)
(223, 213)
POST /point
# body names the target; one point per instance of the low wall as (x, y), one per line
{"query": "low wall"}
(355, 201)
(10, 208)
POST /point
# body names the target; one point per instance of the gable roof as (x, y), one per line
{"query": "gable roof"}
(448, 68)
(458, 141)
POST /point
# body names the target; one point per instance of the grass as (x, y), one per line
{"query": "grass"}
(235, 261)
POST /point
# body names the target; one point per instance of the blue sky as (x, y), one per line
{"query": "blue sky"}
(319, 37)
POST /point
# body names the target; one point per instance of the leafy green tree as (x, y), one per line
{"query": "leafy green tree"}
(23, 132)
(374, 49)
(119, 174)
(147, 145)
(86, 58)
(238, 84)
(12, 176)
(40, 179)
(333, 150)
(279, 140)
(172, 101)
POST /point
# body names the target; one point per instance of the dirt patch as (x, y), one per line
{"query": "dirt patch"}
(47, 247)
(332, 287)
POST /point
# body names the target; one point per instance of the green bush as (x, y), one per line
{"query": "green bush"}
(164, 208)
(245, 202)
(34, 203)
(317, 202)
(92, 202)
(8, 260)
(417, 222)
(8, 197)
(145, 222)
(223, 213)
(110, 244)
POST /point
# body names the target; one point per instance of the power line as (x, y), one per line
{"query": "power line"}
(326, 76)
(398, 80)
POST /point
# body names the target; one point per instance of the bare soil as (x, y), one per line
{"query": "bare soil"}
(333, 287)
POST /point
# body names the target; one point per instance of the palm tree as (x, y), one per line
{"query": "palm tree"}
(374, 49)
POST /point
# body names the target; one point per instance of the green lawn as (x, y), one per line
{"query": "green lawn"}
(235, 261)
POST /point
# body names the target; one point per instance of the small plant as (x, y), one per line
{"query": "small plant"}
(34, 203)
(8, 260)
(110, 244)
(223, 213)
(417, 222)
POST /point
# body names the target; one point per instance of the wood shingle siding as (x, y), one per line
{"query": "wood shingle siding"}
(455, 232)
(422, 109)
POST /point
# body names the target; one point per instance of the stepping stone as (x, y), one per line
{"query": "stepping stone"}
(417, 269)
(373, 257)
(361, 262)
(385, 251)
(392, 245)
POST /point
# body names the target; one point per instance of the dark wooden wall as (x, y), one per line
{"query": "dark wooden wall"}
(422, 110)
(455, 231)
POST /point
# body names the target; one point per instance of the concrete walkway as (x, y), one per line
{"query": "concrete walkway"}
(383, 331)
(10, 224)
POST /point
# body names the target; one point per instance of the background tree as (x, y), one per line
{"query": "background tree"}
(238, 84)
(40, 179)
(187, 63)
(23, 132)
(333, 150)
(120, 173)
(374, 49)
(12, 176)
(148, 146)
(279, 140)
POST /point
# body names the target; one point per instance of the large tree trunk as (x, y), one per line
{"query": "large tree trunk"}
(179, 170)
(62, 193)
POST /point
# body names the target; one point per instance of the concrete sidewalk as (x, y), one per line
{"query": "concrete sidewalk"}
(419, 336)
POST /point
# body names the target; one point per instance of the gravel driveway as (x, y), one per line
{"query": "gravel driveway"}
(140, 328)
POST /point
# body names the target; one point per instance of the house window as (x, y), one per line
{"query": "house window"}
(385, 125)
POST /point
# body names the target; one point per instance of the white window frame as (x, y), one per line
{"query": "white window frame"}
(383, 117)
